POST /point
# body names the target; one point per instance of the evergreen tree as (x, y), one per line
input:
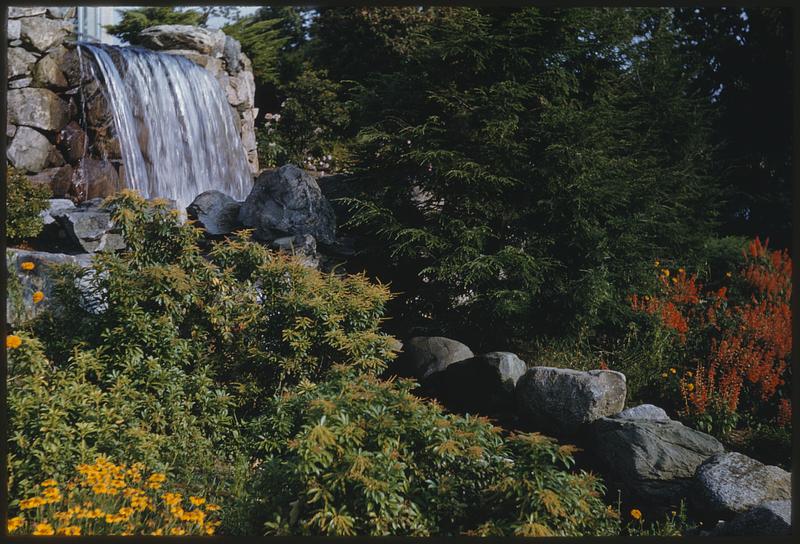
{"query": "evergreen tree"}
(135, 20)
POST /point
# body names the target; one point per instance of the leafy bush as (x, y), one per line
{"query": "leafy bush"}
(357, 455)
(104, 498)
(24, 202)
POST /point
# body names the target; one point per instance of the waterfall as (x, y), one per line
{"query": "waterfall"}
(178, 135)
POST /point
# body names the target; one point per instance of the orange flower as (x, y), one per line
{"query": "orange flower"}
(27, 265)
(38, 296)
(636, 514)
(13, 341)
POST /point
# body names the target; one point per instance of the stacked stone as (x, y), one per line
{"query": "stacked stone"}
(222, 56)
(37, 106)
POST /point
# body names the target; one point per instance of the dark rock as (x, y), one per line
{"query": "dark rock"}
(731, 483)
(483, 384)
(562, 400)
(216, 212)
(72, 141)
(58, 179)
(771, 518)
(653, 460)
(94, 178)
(288, 201)
(424, 355)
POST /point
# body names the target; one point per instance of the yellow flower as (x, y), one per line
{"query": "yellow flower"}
(158, 532)
(38, 296)
(657, 263)
(636, 513)
(690, 386)
(672, 371)
(13, 341)
(728, 274)
(212, 507)
(33, 502)
(665, 271)
(674, 280)
(126, 511)
(197, 501)
(689, 373)
(27, 265)
(177, 531)
(664, 375)
(681, 270)
(49, 483)
(43, 529)
(15, 523)
(70, 530)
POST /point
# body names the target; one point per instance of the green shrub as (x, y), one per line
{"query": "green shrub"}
(24, 202)
(357, 455)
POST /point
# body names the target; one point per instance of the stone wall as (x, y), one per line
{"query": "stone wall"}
(46, 135)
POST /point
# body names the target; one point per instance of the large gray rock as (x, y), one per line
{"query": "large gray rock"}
(288, 201)
(30, 150)
(424, 355)
(195, 38)
(231, 52)
(56, 205)
(38, 108)
(89, 227)
(42, 33)
(216, 212)
(24, 283)
(48, 73)
(562, 400)
(20, 62)
(731, 483)
(653, 459)
(771, 518)
(483, 384)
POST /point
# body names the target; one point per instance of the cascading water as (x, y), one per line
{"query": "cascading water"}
(176, 130)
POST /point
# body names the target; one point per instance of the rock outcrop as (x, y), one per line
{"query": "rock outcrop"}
(424, 355)
(215, 212)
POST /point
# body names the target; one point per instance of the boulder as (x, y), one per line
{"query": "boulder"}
(37, 108)
(72, 141)
(20, 62)
(42, 33)
(10, 131)
(94, 178)
(29, 150)
(651, 459)
(771, 518)
(483, 384)
(288, 201)
(61, 13)
(47, 73)
(424, 355)
(301, 245)
(731, 483)
(562, 400)
(19, 302)
(195, 38)
(231, 52)
(216, 212)
(56, 205)
(12, 31)
(58, 179)
(89, 227)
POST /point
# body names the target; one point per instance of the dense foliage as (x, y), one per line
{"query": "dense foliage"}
(133, 21)
(356, 455)
(25, 201)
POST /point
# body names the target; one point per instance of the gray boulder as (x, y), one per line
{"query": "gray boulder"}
(12, 31)
(30, 149)
(38, 108)
(209, 42)
(424, 355)
(48, 73)
(42, 34)
(16, 13)
(562, 400)
(644, 411)
(653, 459)
(56, 205)
(24, 283)
(483, 384)
(89, 227)
(61, 13)
(216, 212)
(231, 52)
(732, 483)
(288, 201)
(771, 518)
(20, 62)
